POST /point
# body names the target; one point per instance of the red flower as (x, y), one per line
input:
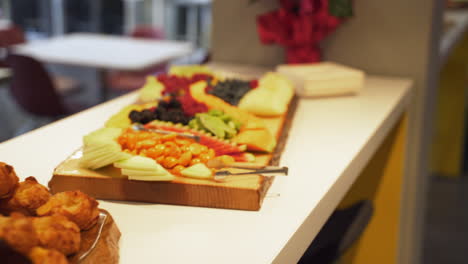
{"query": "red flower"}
(298, 26)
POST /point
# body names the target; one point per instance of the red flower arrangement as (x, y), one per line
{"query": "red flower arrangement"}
(299, 26)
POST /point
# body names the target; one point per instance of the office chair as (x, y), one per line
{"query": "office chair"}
(8, 37)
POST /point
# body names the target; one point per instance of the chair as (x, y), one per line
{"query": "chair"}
(10, 36)
(125, 81)
(35, 91)
(14, 35)
(342, 229)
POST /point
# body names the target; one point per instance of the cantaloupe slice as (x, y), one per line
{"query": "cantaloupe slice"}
(256, 140)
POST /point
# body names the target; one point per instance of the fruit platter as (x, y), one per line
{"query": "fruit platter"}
(193, 137)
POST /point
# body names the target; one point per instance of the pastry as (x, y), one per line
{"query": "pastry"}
(75, 205)
(27, 197)
(8, 180)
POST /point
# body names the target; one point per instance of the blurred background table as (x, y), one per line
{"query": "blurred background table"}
(104, 52)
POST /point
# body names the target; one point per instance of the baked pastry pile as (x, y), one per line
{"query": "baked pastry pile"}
(42, 227)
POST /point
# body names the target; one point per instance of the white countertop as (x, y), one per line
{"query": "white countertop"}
(104, 51)
(330, 142)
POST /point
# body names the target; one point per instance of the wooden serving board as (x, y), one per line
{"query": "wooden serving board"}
(236, 192)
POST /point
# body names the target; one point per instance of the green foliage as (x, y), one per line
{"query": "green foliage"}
(340, 8)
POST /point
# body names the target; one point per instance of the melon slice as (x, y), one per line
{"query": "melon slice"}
(143, 169)
(100, 148)
(189, 70)
(270, 98)
(256, 140)
(138, 163)
(197, 171)
(121, 119)
(151, 91)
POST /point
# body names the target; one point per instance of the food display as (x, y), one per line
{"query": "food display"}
(38, 227)
(159, 148)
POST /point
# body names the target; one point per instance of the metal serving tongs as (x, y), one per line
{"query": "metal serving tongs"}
(253, 169)
(268, 171)
(140, 127)
(220, 164)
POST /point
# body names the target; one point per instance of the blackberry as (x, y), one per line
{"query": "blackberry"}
(142, 117)
(163, 104)
(166, 111)
(231, 91)
(174, 104)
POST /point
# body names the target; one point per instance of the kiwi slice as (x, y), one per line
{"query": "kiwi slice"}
(215, 125)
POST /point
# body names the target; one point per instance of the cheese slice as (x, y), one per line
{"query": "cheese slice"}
(323, 79)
